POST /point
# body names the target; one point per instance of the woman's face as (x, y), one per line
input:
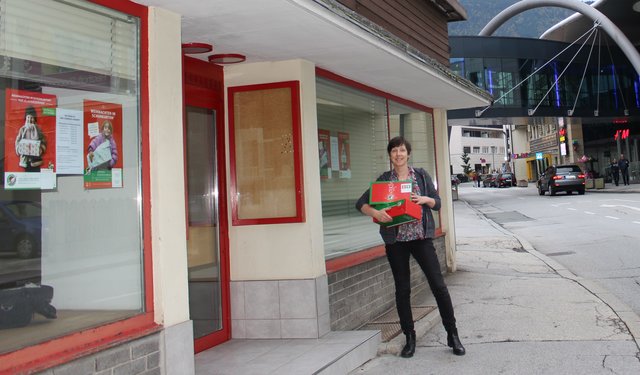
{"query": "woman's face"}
(106, 130)
(399, 156)
(29, 119)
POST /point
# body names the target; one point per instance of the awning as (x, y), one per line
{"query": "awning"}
(329, 35)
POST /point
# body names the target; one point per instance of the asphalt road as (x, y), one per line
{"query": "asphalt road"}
(595, 236)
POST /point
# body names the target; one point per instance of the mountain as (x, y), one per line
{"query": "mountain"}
(529, 24)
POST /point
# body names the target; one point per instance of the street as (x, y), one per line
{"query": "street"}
(595, 235)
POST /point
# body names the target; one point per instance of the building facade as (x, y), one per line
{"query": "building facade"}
(485, 147)
(159, 199)
(559, 101)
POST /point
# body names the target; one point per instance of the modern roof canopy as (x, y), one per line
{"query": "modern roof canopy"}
(609, 27)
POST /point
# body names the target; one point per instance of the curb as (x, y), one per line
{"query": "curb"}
(621, 309)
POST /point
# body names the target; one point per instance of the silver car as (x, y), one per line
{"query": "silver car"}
(557, 178)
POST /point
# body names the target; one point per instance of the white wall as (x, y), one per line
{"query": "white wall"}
(446, 211)
(282, 251)
(168, 225)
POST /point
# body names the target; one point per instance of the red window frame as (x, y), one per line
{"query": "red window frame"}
(365, 255)
(299, 217)
(67, 348)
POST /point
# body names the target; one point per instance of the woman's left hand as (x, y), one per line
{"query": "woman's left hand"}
(417, 199)
(421, 199)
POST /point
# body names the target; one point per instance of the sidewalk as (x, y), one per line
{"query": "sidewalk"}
(519, 312)
(612, 188)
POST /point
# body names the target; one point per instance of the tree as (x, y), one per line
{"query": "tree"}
(465, 159)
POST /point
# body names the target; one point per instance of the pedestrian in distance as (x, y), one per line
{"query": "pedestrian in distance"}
(615, 172)
(623, 164)
(413, 239)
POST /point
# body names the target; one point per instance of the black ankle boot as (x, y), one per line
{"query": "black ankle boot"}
(454, 342)
(410, 346)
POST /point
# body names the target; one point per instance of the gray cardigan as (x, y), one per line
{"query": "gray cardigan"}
(426, 188)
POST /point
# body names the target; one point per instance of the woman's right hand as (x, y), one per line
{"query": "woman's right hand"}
(382, 216)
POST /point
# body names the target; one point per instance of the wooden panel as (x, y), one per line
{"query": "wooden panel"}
(417, 22)
(200, 243)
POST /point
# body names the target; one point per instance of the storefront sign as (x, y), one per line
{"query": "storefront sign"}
(621, 134)
(562, 138)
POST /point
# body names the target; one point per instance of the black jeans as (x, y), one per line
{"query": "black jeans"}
(625, 176)
(425, 255)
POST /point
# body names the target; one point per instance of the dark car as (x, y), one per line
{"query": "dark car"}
(557, 178)
(489, 180)
(20, 228)
(506, 179)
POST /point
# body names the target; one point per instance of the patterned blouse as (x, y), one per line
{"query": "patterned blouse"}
(413, 230)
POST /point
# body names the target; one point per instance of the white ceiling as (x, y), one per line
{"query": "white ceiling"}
(276, 30)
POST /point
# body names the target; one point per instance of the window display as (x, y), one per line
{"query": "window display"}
(354, 129)
(70, 217)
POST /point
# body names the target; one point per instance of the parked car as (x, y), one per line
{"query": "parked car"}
(489, 180)
(506, 179)
(20, 228)
(567, 178)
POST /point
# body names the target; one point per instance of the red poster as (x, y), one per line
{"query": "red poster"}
(324, 152)
(102, 144)
(344, 153)
(29, 138)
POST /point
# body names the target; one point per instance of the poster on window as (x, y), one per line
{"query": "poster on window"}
(29, 140)
(344, 155)
(103, 145)
(324, 152)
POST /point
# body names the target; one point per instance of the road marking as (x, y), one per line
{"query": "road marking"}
(571, 209)
(589, 213)
(613, 217)
(620, 205)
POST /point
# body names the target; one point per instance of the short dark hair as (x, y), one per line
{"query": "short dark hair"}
(31, 111)
(397, 142)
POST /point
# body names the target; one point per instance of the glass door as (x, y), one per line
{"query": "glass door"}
(203, 248)
(207, 237)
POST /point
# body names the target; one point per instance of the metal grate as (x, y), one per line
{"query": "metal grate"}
(389, 323)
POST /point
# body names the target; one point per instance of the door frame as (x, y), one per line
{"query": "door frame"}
(203, 87)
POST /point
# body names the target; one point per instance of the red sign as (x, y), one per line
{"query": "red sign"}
(621, 134)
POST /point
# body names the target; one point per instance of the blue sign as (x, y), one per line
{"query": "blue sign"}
(539, 155)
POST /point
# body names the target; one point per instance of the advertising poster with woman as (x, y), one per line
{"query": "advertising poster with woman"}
(345, 155)
(324, 152)
(29, 140)
(103, 145)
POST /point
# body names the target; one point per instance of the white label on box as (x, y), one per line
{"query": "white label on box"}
(405, 188)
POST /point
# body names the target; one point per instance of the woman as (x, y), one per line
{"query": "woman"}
(416, 239)
(104, 140)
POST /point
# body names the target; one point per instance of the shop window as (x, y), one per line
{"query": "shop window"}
(70, 211)
(266, 167)
(417, 127)
(355, 126)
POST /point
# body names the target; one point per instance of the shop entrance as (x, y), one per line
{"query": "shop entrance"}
(207, 247)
